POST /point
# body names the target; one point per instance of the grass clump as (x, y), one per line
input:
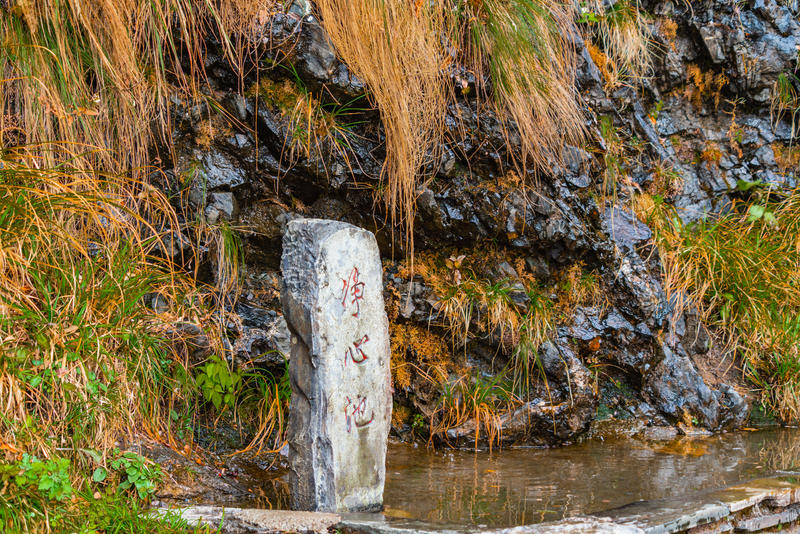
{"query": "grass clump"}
(513, 312)
(785, 101)
(92, 352)
(702, 86)
(395, 49)
(98, 74)
(315, 129)
(741, 270)
(478, 399)
(85, 360)
(525, 49)
(621, 31)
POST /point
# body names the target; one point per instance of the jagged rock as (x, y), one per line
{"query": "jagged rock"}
(555, 220)
(676, 388)
(218, 170)
(625, 229)
(222, 206)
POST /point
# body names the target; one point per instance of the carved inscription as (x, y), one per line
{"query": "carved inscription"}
(356, 351)
(355, 407)
(355, 412)
(352, 292)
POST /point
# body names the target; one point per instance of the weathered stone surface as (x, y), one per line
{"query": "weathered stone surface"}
(254, 521)
(340, 414)
(753, 506)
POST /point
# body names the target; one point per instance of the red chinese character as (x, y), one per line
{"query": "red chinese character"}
(353, 289)
(357, 355)
(355, 413)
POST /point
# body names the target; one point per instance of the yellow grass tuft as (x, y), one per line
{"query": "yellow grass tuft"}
(395, 48)
(98, 74)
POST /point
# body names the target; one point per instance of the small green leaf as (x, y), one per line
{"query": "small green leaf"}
(99, 474)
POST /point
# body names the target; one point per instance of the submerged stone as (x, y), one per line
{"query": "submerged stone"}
(340, 414)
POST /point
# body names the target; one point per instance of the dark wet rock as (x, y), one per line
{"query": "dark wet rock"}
(676, 388)
(317, 65)
(734, 408)
(625, 229)
(648, 301)
(268, 342)
(222, 206)
(218, 170)
(194, 341)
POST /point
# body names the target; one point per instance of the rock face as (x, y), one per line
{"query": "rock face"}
(340, 413)
(647, 361)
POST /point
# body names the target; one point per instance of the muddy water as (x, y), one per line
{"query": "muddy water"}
(519, 486)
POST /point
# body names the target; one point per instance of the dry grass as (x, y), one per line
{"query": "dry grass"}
(98, 74)
(621, 30)
(668, 29)
(471, 302)
(395, 49)
(710, 155)
(702, 86)
(85, 360)
(418, 351)
(787, 157)
(741, 270)
(525, 48)
(475, 399)
(605, 65)
(624, 33)
(521, 46)
(667, 181)
(578, 287)
(785, 101)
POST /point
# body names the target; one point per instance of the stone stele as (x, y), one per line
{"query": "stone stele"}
(341, 406)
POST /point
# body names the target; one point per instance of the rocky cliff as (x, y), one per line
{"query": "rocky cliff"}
(707, 118)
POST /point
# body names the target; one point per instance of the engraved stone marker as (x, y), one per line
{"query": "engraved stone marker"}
(341, 407)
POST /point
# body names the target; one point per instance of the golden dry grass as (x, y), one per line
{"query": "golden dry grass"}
(85, 361)
(395, 49)
(98, 74)
(622, 29)
(524, 47)
(520, 52)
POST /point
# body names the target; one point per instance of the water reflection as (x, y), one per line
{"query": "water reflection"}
(513, 487)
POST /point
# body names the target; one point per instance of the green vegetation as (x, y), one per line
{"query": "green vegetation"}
(42, 495)
(742, 271)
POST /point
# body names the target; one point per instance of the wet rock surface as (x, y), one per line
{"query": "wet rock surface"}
(256, 521)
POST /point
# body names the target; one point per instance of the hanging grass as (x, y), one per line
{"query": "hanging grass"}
(98, 74)
(524, 58)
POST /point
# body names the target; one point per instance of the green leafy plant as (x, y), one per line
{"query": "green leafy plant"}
(220, 384)
(137, 473)
(49, 477)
